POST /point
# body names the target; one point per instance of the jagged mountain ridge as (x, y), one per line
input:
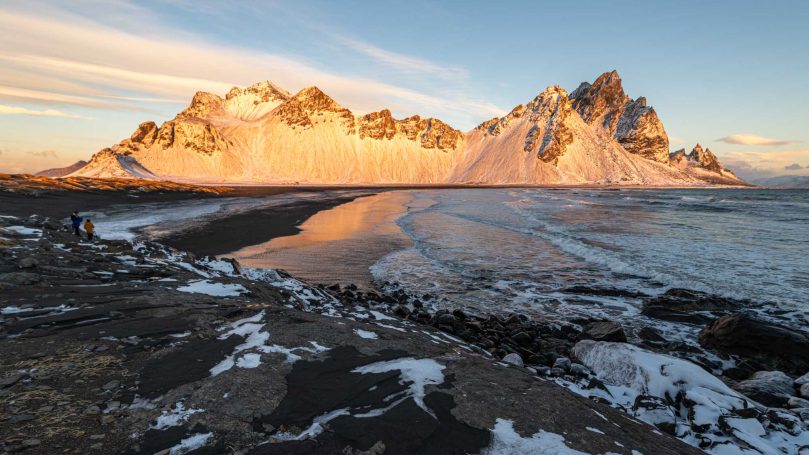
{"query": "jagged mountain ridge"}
(264, 134)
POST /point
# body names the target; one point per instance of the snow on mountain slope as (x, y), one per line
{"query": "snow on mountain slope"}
(262, 134)
(547, 142)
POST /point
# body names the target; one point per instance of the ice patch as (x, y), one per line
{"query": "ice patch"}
(368, 335)
(213, 288)
(506, 441)
(22, 230)
(419, 372)
(381, 316)
(315, 429)
(257, 340)
(174, 417)
(392, 327)
(190, 443)
(14, 310)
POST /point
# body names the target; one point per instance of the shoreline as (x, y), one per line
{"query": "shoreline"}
(255, 226)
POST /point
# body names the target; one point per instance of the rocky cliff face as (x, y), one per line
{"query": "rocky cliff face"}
(263, 134)
(631, 122)
(705, 159)
(547, 141)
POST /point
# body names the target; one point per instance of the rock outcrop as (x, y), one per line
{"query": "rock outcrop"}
(773, 346)
(631, 122)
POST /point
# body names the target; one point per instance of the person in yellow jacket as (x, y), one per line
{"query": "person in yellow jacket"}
(89, 228)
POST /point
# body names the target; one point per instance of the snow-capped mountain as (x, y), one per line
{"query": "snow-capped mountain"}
(264, 134)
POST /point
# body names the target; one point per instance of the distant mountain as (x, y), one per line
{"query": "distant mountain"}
(784, 181)
(62, 171)
(264, 134)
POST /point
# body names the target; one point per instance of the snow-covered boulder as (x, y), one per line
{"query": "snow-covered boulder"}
(680, 397)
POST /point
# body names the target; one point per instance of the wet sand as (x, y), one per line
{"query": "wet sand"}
(353, 236)
(222, 236)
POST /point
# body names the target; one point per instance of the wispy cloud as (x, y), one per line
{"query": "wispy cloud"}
(101, 66)
(17, 110)
(793, 167)
(44, 154)
(753, 139)
(402, 62)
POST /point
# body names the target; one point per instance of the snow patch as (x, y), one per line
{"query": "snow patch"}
(174, 417)
(506, 441)
(190, 443)
(368, 335)
(419, 372)
(213, 288)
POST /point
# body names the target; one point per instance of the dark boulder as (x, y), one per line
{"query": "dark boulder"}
(771, 345)
(770, 388)
(683, 305)
(650, 334)
(603, 331)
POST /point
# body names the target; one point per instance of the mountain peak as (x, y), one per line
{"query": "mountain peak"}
(264, 91)
(314, 99)
(202, 105)
(632, 123)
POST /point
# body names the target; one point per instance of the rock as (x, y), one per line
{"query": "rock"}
(19, 418)
(770, 388)
(445, 319)
(774, 346)
(513, 359)
(10, 380)
(802, 380)
(27, 263)
(650, 334)
(557, 372)
(114, 384)
(631, 122)
(578, 369)
(805, 390)
(543, 371)
(92, 410)
(604, 331)
(97, 437)
(683, 305)
(563, 363)
(795, 402)
(656, 411)
(522, 338)
(31, 442)
(20, 278)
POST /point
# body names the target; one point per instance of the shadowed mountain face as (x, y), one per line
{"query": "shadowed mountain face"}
(62, 171)
(264, 134)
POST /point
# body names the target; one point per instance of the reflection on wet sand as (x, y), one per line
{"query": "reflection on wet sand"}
(337, 245)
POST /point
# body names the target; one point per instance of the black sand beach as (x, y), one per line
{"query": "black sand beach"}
(216, 237)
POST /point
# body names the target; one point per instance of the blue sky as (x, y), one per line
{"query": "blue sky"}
(74, 80)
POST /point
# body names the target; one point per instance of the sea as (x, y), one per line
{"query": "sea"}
(558, 254)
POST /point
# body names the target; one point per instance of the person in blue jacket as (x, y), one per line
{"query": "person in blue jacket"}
(76, 220)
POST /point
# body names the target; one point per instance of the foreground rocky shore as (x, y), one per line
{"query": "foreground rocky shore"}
(109, 347)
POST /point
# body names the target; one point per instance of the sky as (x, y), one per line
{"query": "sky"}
(79, 76)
